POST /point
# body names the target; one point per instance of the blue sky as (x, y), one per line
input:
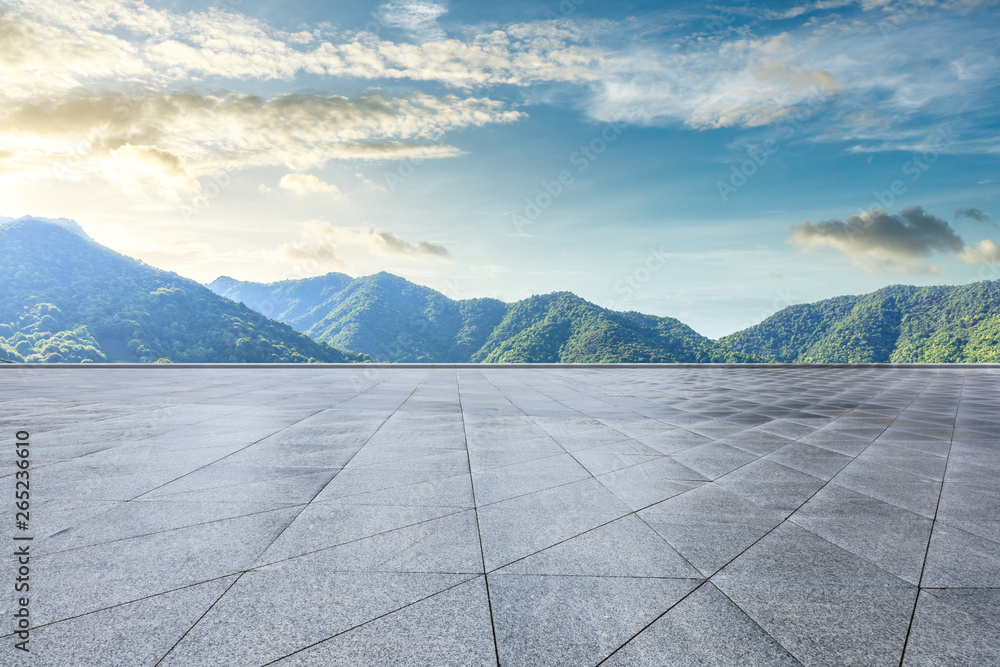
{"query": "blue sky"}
(710, 162)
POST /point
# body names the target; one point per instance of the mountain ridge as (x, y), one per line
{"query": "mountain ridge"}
(895, 324)
(69, 299)
(392, 319)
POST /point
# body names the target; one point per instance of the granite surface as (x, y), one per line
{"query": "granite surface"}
(513, 516)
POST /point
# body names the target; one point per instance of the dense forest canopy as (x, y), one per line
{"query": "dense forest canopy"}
(68, 299)
(392, 319)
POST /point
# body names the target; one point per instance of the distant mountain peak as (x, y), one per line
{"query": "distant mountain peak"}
(67, 224)
(69, 299)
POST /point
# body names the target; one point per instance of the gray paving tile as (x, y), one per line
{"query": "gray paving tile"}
(138, 633)
(710, 526)
(608, 458)
(771, 485)
(829, 624)
(573, 620)
(297, 487)
(974, 507)
(714, 459)
(648, 483)
(323, 525)
(916, 493)
(454, 491)
(451, 628)
(152, 481)
(821, 603)
(255, 621)
(516, 528)
(497, 484)
(484, 457)
(623, 548)
(815, 461)
(151, 564)
(127, 520)
(959, 559)
(955, 627)
(755, 442)
(444, 545)
(686, 636)
(888, 536)
(792, 554)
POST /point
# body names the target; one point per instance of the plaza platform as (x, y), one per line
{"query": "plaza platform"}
(517, 516)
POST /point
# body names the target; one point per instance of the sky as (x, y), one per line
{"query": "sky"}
(710, 162)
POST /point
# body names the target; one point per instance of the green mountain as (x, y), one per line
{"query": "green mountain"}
(384, 316)
(896, 324)
(392, 319)
(67, 298)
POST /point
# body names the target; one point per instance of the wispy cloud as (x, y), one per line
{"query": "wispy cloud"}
(90, 85)
(374, 242)
(304, 184)
(177, 137)
(417, 17)
(321, 253)
(725, 83)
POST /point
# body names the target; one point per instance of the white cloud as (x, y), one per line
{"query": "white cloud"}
(322, 253)
(417, 17)
(135, 164)
(72, 43)
(985, 252)
(742, 83)
(53, 53)
(179, 137)
(374, 242)
(303, 184)
(378, 187)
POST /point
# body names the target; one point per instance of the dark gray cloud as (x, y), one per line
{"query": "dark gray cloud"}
(975, 214)
(877, 240)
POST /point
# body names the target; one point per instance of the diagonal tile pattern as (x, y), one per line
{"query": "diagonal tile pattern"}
(510, 516)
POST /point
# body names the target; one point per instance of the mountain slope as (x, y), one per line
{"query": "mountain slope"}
(67, 298)
(294, 302)
(392, 319)
(562, 327)
(898, 324)
(381, 315)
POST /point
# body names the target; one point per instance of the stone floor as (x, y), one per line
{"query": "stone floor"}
(476, 516)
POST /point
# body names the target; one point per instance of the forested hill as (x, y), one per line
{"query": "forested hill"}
(65, 298)
(392, 319)
(896, 324)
